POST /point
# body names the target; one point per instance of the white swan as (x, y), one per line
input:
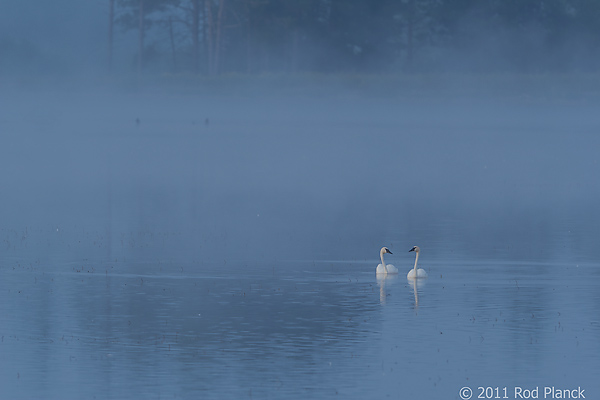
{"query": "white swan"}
(384, 268)
(416, 273)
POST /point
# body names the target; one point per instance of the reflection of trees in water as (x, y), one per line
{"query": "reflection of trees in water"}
(225, 318)
(122, 323)
(517, 315)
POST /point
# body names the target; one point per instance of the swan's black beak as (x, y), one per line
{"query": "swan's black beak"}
(413, 249)
(390, 252)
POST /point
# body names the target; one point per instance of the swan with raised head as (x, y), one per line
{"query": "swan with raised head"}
(384, 268)
(416, 273)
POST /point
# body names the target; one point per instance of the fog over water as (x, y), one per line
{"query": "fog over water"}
(286, 177)
(161, 242)
(180, 228)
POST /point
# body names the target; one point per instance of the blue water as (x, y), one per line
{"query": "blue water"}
(172, 259)
(296, 329)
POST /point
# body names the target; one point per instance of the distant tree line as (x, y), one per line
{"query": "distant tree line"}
(252, 36)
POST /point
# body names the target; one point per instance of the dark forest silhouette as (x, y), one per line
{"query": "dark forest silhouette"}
(254, 36)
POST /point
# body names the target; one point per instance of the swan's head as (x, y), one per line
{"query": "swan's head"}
(415, 249)
(385, 250)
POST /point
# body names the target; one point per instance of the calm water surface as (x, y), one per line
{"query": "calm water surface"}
(296, 329)
(175, 259)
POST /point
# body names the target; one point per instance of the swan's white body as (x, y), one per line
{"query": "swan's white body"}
(416, 273)
(384, 268)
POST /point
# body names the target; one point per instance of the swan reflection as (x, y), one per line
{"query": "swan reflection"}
(416, 284)
(383, 281)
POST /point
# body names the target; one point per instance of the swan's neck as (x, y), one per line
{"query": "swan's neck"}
(416, 260)
(383, 262)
